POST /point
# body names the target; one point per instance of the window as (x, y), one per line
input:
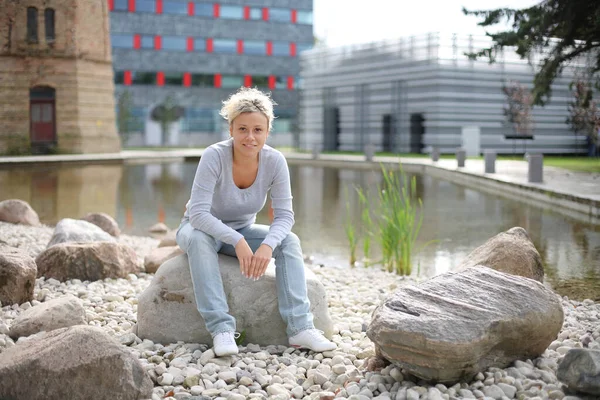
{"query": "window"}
(281, 82)
(147, 42)
(232, 12)
(143, 78)
(232, 81)
(119, 77)
(305, 17)
(121, 41)
(32, 25)
(203, 9)
(255, 13)
(199, 45)
(147, 6)
(280, 14)
(171, 7)
(300, 47)
(281, 48)
(121, 5)
(173, 78)
(260, 81)
(203, 80)
(198, 120)
(255, 47)
(174, 43)
(49, 24)
(225, 46)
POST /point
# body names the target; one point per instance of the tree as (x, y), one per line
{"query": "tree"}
(584, 114)
(518, 109)
(562, 30)
(124, 115)
(165, 114)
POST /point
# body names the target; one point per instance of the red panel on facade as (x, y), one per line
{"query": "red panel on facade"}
(137, 41)
(187, 79)
(246, 12)
(190, 8)
(217, 80)
(240, 46)
(127, 78)
(265, 14)
(269, 48)
(271, 82)
(216, 10)
(209, 45)
(111, 5)
(247, 80)
(159, 6)
(290, 83)
(131, 6)
(293, 49)
(160, 78)
(294, 16)
(190, 44)
(157, 42)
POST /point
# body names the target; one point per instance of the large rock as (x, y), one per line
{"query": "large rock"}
(104, 222)
(167, 309)
(169, 239)
(54, 314)
(78, 231)
(18, 211)
(511, 252)
(580, 371)
(458, 324)
(76, 363)
(158, 256)
(17, 276)
(88, 261)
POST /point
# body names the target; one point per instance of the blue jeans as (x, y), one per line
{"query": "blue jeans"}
(202, 250)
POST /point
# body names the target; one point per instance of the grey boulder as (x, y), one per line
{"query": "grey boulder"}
(17, 276)
(580, 371)
(104, 222)
(18, 211)
(169, 239)
(53, 314)
(458, 324)
(78, 231)
(87, 261)
(76, 363)
(167, 310)
(512, 252)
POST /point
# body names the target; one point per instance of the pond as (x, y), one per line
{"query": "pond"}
(458, 218)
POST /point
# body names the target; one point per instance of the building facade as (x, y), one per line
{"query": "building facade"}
(56, 77)
(414, 94)
(194, 54)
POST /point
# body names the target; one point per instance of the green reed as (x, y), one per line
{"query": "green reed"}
(350, 232)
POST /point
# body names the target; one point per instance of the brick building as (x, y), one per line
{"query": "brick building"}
(56, 77)
(199, 52)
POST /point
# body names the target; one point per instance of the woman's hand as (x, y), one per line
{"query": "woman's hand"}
(260, 261)
(245, 256)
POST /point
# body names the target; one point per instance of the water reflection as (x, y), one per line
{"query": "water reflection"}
(458, 218)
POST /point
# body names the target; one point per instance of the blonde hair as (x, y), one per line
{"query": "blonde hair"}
(248, 100)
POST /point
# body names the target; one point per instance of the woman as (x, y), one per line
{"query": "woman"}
(229, 189)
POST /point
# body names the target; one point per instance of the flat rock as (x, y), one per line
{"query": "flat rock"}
(580, 371)
(104, 222)
(17, 276)
(17, 211)
(458, 324)
(159, 228)
(169, 239)
(158, 256)
(78, 231)
(512, 252)
(53, 314)
(167, 309)
(76, 363)
(87, 261)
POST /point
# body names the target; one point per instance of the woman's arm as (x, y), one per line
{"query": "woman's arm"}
(203, 189)
(281, 201)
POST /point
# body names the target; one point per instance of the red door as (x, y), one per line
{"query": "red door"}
(42, 116)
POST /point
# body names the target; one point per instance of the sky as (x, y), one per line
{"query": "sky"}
(345, 22)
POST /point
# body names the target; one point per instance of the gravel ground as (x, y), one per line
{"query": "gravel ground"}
(183, 370)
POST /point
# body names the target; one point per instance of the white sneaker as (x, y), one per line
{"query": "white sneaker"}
(312, 339)
(224, 344)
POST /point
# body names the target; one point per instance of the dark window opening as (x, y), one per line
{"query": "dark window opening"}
(49, 24)
(32, 26)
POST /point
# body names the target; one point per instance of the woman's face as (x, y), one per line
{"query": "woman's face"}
(249, 132)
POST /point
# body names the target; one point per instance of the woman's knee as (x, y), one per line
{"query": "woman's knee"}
(291, 241)
(199, 239)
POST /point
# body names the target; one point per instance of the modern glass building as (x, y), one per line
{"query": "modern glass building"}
(196, 53)
(417, 93)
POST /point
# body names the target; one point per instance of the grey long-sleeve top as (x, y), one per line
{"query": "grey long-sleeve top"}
(219, 208)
